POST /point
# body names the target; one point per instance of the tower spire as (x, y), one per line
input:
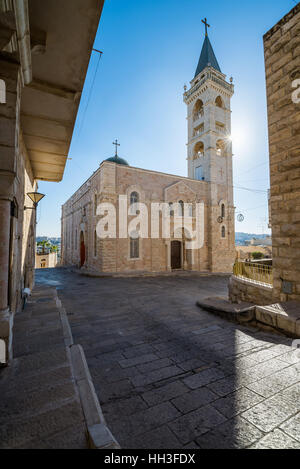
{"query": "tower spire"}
(207, 57)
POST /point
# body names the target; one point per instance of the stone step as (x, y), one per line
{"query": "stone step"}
(282, 318)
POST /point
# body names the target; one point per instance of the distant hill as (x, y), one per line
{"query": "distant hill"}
(240, 238)
(45, 238)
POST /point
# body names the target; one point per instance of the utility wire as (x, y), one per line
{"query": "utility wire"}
(91, 91)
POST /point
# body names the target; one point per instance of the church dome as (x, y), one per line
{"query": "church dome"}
(116, 159)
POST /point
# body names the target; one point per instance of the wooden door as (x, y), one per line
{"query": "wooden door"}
(176, 255)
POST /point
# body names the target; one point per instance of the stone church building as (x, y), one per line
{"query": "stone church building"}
(209, 182)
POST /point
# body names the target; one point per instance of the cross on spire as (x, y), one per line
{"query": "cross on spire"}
(206, 25)
(117, 145)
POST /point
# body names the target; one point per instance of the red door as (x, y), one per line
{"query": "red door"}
(82, 253)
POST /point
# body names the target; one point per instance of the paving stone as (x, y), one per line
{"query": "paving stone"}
(152, 366)
(277, 440)
(203, 378)
(70, 438)
(196, 423)
(18, 433)
(269, 414)
(292, 427)
(114, 373)
(236, 433)
(157, 375)
(160, 438)
(192, 364)
(137, 351)
(225, 386)
(37, 382)
(291, 396)
(137, 360)
(194, 400)
(165, 393)
(124, 407)
(271, 385)
(23, 403)
(237, 402)
(142, 422)
(113, 391)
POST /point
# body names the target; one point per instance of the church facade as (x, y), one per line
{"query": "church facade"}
(209, 185)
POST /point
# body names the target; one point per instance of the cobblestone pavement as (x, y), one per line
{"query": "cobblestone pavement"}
(169, 375)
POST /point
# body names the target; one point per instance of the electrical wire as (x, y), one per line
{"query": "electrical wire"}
(90, 93)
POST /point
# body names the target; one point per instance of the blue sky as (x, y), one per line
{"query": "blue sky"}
(151, 49)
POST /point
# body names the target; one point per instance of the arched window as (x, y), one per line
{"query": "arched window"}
(180, 208)
(198, 110)
(220, 147)
(95, 244)
(223, 232)
(134, 245)
(198, 150)
(223, 211)
(134, 198)
(219, 102)
(171, 209)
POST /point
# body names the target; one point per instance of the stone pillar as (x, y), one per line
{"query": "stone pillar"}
(168, 247)
(5, 315)
(9, 125)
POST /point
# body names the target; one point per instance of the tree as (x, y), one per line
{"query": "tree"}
(257, 255)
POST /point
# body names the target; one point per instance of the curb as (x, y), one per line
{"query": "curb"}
(99, 435)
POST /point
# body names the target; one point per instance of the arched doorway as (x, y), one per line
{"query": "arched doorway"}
(176, 255)
(82, 249)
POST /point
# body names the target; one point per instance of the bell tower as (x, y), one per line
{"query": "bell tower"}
(209, 120)
(209, 149)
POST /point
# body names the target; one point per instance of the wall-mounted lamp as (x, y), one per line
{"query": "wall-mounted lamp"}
(36, 198)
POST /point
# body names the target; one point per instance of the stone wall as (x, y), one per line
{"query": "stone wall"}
(17, 227)
(282, 59)
(242, 290)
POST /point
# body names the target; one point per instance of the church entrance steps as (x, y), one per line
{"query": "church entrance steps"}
(47, 397)
(281, 318)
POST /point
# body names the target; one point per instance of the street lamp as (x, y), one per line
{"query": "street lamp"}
(36, 197)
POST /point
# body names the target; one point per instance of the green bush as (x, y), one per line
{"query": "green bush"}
(257, 255)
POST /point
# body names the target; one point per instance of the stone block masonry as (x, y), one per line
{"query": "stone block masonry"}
(282, 59)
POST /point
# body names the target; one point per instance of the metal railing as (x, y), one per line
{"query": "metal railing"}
(259, 273)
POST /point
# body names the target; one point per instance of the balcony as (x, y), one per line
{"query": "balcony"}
(255, 272)
(198, 131)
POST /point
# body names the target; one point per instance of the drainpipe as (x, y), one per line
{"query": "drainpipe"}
(23, 33)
